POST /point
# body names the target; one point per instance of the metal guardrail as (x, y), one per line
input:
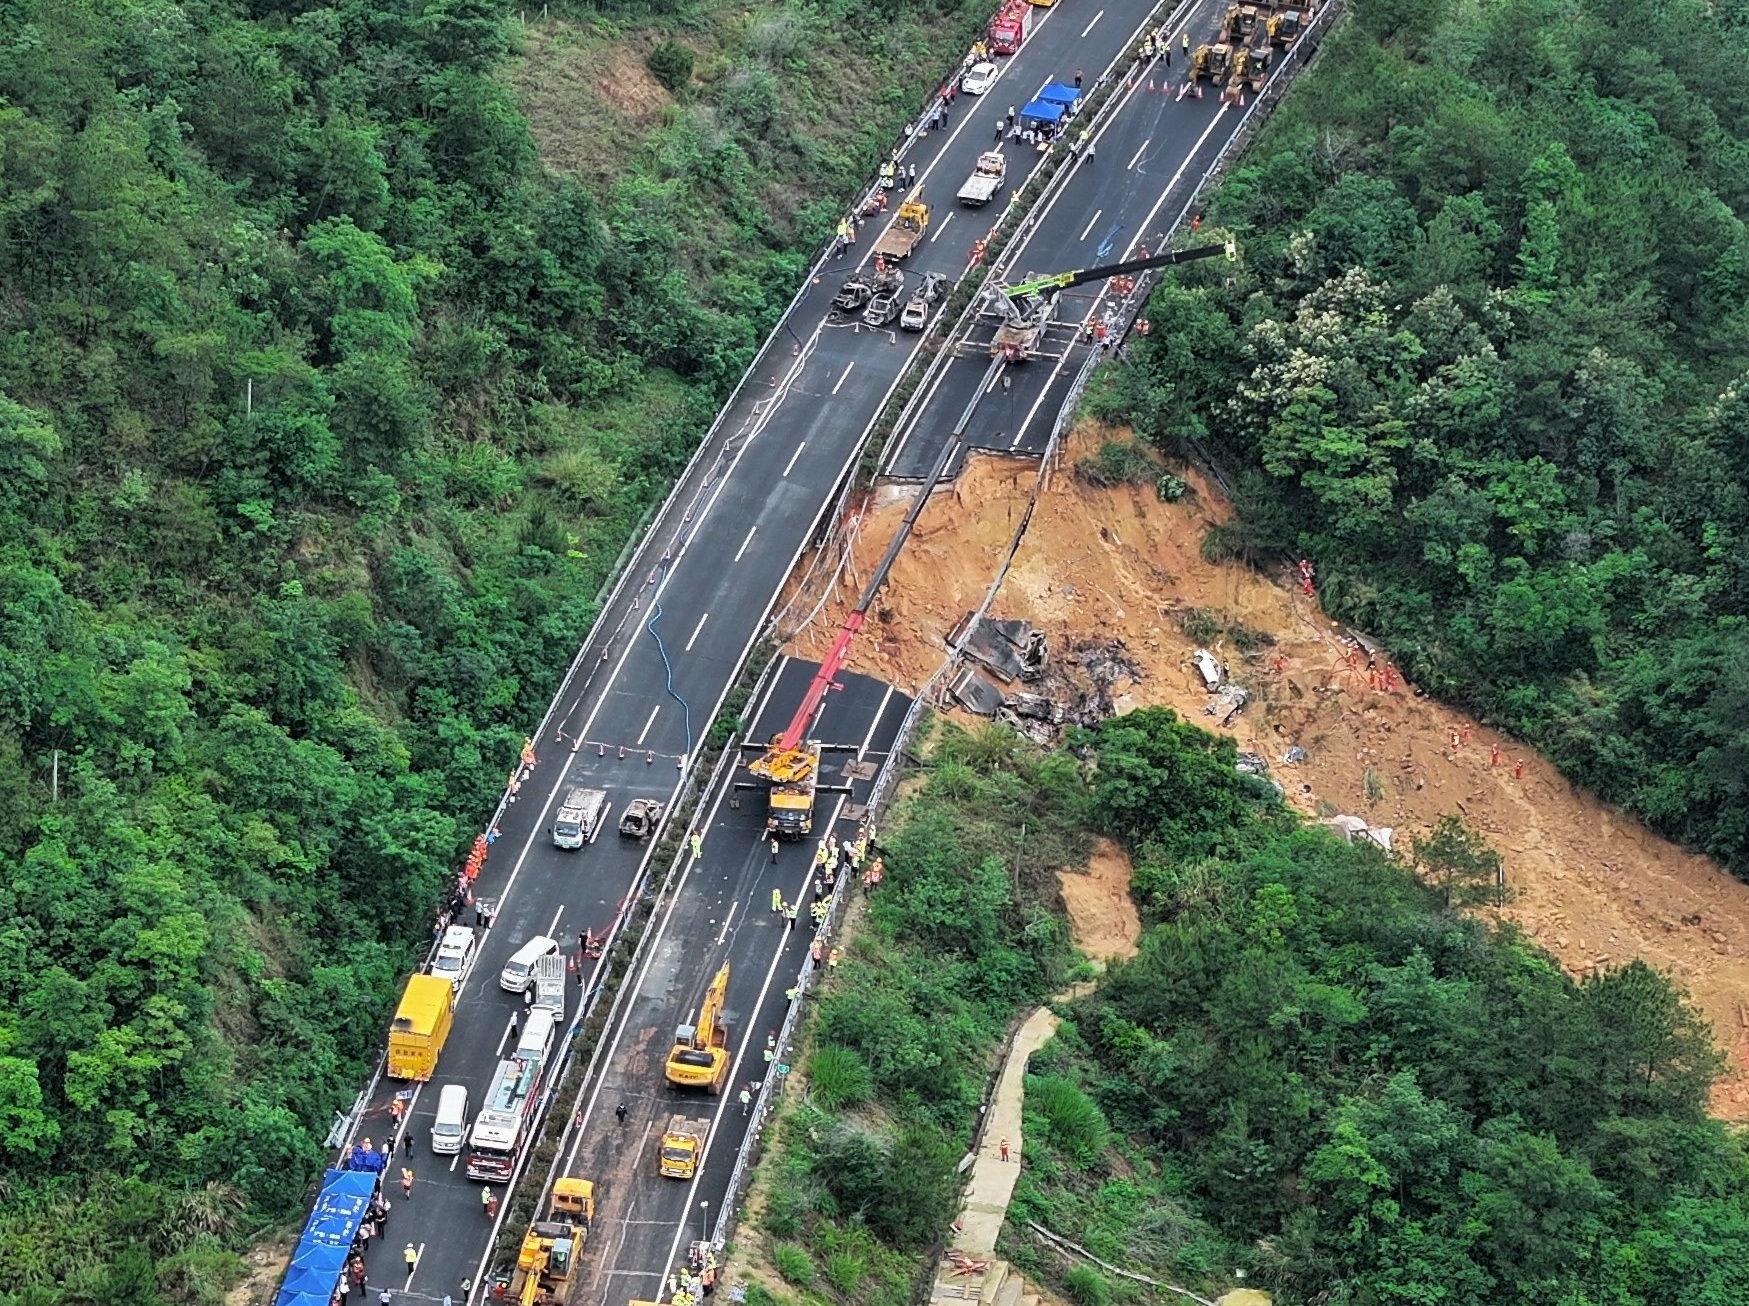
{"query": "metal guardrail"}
(771, 1086)
(926, 696)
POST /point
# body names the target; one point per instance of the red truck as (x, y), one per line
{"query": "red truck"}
(1008, 28)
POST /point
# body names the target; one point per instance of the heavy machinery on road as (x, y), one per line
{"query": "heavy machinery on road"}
(987, 179)
(1028, 308)
(905, 230)
(700, 1055)
(1214, 62)
(682, 1146)
(548, 1256)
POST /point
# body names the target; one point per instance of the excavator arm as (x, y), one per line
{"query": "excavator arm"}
(1060, 281)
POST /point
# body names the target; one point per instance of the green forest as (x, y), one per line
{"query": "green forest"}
(1319, 1073)
(1483, 363)
(326, 407)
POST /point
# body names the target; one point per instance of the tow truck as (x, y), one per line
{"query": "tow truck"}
(905, 230)
(1025, 310)
(986, 180)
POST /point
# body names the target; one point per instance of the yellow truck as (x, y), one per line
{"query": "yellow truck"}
(906, 228)
(682, 1145)
(420, 1026)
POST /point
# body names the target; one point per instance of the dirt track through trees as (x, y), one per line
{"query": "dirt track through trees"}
(1592, 886)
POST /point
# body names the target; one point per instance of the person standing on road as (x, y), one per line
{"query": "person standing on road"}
(411, 1256)
(1078, 75)
(619, 1113)
(776, 894)
(697, 842)
(774, 849)
(790, 912)
(1011, 115)
(407, 1184)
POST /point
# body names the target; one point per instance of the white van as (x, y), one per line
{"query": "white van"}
(518, 972)
(579, 817)
(450, 1129)
(537, 1036)
(453, 953)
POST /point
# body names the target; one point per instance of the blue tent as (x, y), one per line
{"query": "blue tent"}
(320, 1258)
(1042, 111)
(1060, 93)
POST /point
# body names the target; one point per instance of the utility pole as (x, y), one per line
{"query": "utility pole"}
(55, 778)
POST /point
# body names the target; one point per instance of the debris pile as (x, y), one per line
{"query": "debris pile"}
(1008, 675)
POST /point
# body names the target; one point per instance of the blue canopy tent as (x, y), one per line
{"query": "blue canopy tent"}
(1060, 93)
(320, 1258)
(1042, 111)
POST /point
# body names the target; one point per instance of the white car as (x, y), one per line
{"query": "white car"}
(453, 952)
(979, 78)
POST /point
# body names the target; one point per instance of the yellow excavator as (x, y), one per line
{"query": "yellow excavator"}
(700, 1056)
(548, 1256)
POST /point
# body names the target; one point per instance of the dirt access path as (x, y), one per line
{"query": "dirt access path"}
(1593, 887)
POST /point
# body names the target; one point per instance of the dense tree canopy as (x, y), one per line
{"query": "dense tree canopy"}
(1317, 1070)
(1485, 364)
(324, 411)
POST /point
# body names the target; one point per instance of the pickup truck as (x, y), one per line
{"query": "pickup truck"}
(987, 179)
(905, 231)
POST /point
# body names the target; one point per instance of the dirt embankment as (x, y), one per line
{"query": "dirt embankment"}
(1102, 916)
(1593, 887)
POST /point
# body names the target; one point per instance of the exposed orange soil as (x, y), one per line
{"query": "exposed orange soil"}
(1102, 916)
(1592, 886)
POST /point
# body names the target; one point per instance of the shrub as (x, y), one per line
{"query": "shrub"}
(838, 1078)
(1075, 1123)
(1171, 488)
(671, 63)
(845, 1271)
(794, 1264)
(1087, 1286)
(1118, 462)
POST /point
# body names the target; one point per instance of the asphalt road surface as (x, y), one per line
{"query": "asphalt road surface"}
(1151, 150)
(720, 913)
(656, 666)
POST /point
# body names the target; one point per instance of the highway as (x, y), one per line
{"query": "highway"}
(720, 912)
(1151, 150)
(651, 674)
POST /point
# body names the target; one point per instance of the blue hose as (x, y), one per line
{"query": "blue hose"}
(668, 668)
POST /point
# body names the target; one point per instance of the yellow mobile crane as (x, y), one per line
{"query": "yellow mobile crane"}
(700, 1055)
